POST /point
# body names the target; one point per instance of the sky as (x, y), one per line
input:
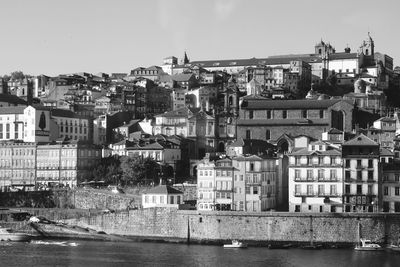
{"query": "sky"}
(55, 37)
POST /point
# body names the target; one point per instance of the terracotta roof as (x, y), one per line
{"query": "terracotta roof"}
(163, 190)
(298, 121)
(360, 140)
(335, 131)
(343, 55)
(305, 151)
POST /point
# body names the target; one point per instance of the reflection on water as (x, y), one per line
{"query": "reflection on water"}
(93, 253)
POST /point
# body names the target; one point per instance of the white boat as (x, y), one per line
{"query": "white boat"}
(367, 245)
(395, 248)
(236, 244)
(7, 234)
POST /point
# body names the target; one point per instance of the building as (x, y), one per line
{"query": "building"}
(391, 188)
(66, 163)
(12, 123)
(315, 178)
(265, 119)
(72, 125)
(152, 73)
(243, 183)
(17, 165)
(162, 196)
(7, 100)
(255, 183)
(361, 175)
(383, 131)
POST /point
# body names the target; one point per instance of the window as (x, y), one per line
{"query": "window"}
(304, 113)
(284, 114)
(247, 190)
(347, 163)
(251, 166)
(248, 134)
(321, 114)
(333, 174)
(369, 189)
(396, 191)
(297, 189)
(359, 189)
(251, 114)
(347, 189)
(297, 174)
(267, 134)
(396, 177)
(269, 114)
(386, 191)
(359, 175)
(333, 190)
(321, 189)
(310, 190)
(321, 174)
(370, 163)
(309, 174)
(370, 175)
(255, 190)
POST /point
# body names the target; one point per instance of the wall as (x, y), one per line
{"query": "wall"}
(167, 223)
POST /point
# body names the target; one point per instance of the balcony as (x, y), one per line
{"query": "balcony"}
(304, 194)
(304, 180)
(328, 194)
(331, 180)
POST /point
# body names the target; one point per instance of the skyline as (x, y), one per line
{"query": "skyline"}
(48, 37)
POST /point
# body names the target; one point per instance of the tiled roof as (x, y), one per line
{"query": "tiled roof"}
(360, 140)
(305, 151)
(343, 55)
(65, 113)
(182, 77)
(163, 190)
(12, 99)
(12, 110)
(386, 152)
(298, 121)
(386, 119)
(289, 104)
(335, 131)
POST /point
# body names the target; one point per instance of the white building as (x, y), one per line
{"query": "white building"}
(162, 196)
(315, 178)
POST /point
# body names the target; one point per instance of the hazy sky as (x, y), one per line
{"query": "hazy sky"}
(64, 36)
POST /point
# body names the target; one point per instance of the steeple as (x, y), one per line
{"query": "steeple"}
(186, 59)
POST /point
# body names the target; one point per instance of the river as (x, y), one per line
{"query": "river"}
(93, 253)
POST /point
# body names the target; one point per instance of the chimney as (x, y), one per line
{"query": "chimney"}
(347, 50)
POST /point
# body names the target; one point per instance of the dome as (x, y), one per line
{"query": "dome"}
(359, 86)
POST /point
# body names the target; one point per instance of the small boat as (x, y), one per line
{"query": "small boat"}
(279, 246)
(7, 234)
(312, 246)
(236, 244)
(365, 244)
(395, 248)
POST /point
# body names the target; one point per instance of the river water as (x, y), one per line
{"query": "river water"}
(93, 253)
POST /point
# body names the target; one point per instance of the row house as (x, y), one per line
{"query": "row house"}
(17, 165)
(391, 187)
(243, 183)
(361, 157)
(315, 178)
(73, 126)
(66, 163)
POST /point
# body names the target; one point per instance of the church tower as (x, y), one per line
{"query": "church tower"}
(368, 46)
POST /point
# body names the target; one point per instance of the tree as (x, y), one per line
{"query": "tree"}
(137, 170)
(42, 121)
(108, 170)
(17, 75)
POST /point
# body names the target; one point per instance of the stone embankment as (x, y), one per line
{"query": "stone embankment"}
(257, 228)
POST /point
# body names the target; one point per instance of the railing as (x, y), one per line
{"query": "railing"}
(298, 179)
(304, 194)
(328, 180)
(328, 194)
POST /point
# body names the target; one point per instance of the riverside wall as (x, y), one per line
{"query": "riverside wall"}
(203, 227)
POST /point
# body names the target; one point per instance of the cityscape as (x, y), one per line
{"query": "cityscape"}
(199, 133)
(313, 132)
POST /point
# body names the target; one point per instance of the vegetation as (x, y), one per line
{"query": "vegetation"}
(126, 171)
